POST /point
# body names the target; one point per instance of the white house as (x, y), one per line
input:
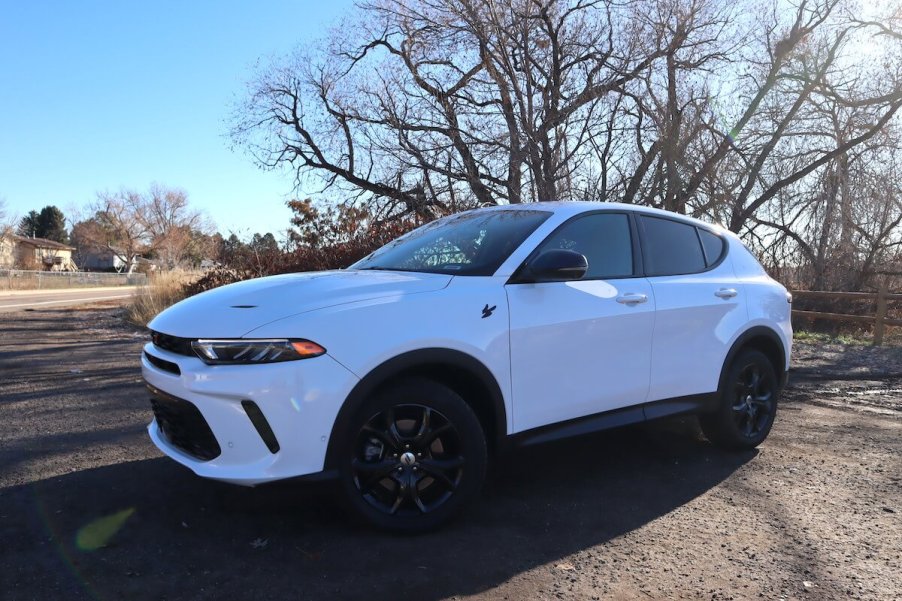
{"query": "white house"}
(35, 253)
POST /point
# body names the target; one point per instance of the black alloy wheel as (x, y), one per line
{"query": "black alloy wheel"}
(408, 460)
(417, 455)
(753, 401)
(748, 403)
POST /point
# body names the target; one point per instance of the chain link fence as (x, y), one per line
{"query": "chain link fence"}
(17, 279)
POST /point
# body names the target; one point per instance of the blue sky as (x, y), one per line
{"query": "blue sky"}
(103, 95)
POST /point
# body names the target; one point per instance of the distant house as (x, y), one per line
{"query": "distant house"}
(106, 259)
(145, 265)
(7, 251)
(35, 253)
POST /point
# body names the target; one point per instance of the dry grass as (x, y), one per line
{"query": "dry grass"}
(163, 290)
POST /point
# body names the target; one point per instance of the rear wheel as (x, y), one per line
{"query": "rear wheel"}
(416, 454)
(748, 403)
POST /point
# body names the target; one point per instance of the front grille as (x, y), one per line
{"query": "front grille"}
(163, 364)
(173, 344)
(183, 426)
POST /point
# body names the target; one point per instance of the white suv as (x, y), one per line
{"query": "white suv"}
(404, 373)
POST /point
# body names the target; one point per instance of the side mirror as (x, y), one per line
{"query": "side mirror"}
(556, 266)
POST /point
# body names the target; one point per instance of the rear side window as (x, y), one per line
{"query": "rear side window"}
(671, 247)
(713, 245)
(603, 238)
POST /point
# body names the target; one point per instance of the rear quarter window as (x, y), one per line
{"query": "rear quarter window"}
(713, 246)
(671, 247)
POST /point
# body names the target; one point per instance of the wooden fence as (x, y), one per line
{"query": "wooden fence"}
(879, 319)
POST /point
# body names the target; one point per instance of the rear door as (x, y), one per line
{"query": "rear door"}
(699, 305)
(582, 347)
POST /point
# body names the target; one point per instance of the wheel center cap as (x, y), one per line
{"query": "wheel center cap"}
(408, 459)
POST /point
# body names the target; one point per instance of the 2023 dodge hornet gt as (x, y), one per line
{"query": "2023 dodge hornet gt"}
(404, 373)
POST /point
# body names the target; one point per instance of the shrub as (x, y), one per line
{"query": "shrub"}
(163, 290)
(322, 239)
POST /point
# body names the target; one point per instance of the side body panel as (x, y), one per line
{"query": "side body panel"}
(694, 328)
(576, 350)
(766, 299)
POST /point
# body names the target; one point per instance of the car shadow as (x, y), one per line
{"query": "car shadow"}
(150, 529)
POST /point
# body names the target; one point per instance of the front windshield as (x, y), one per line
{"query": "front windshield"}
(472, 243)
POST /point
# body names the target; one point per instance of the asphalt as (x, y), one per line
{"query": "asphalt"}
(29, 300)
(90, 509)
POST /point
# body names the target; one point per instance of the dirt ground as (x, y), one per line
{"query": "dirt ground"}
(90, 509)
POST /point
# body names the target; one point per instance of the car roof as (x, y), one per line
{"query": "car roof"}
(569, 208)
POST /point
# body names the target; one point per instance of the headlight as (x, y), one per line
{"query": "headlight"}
(232, 352)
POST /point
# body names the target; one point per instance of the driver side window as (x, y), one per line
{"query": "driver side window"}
(603, 238)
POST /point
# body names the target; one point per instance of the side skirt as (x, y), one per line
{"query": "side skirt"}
(698, 403)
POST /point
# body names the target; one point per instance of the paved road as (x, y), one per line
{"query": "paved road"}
(21, 300)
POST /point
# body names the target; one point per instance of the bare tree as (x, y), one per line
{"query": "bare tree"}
(6, 220)
(453, 103)
(128, 224)
(172, 224)
(7, 252)
(755, 113)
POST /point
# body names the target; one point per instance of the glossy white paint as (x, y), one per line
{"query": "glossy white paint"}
(363, 335)
(696, 319)
(556, 350)
(234, 310)
(297, 398)
(766, 300)
(576, 350)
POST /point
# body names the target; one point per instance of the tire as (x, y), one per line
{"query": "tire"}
(747, 403)
(415, 456)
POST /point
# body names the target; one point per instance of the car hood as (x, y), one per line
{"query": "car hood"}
(234, 310)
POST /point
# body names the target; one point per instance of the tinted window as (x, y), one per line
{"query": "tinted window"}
(671, 248)
(473, 243)
(712, 244)
(604, 239)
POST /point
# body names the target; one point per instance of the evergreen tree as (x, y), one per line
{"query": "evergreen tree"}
(53, 225)
(29, 225)
(264, 243)
(50, 223)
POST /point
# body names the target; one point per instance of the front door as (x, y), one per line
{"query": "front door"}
(582, 347)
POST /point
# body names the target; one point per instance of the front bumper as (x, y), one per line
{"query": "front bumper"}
(299, 401)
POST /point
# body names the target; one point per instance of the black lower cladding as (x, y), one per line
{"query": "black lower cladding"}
(184, 426)
(261, 425)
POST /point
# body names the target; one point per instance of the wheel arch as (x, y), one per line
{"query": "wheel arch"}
(461, 372)
(761, 338)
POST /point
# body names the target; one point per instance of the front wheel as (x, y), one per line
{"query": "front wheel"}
(748, 403)
(416, 454)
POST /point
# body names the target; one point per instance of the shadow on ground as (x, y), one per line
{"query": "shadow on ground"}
(192, 538)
